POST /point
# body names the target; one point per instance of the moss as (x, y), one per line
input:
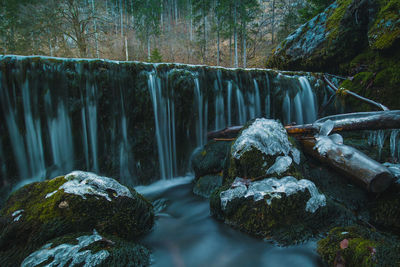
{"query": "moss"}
(333, 23)
(386, 29)
(211, 159)
(44, 218)
(365, 247)
(285, 219)
(385, 211)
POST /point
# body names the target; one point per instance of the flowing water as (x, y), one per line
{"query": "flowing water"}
(132, 121)
(185, 234)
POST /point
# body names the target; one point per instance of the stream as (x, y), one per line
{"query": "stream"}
(185, 234)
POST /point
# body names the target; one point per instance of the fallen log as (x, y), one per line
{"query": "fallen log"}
(228, 132)
(359, 121)
(356, 96)
(378, 120)
(364, 171)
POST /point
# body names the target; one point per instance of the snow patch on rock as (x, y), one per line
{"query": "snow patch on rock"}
(281, 165)
(86, 183)
(270, 138)
(274, 188)
(65, 253)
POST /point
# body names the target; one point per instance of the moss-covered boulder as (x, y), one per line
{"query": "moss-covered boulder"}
(209, 163)
(89, 250)
(287, 210)
(359, 246)
(210, 159)
(385, 210)
(263, 149)
(351, 37)
(77, 202)
(205, 185)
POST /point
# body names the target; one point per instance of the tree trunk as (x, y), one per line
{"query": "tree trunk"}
(244, 46)
(364, 171)
(95, 31)
(218, 44)
(360, 121)
(235, 34)
(273, 23)
(126, 49)
(122, 22)
(378, 120)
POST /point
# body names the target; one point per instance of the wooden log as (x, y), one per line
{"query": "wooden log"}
(228, 132)
(356, 96)
(363, 170)
(377, 120)
(359, 121)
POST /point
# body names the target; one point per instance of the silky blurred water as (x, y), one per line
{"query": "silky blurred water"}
(185, 234)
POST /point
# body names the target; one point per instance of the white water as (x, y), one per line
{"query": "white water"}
(164, 116)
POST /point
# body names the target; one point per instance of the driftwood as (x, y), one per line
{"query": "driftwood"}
(377, 120)
(366, 172)
(356, 96)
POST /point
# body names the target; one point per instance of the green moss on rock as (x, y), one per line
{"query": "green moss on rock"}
(365, 247)
(211, 158)
(385, 210)
(386, 28)
(42, 218)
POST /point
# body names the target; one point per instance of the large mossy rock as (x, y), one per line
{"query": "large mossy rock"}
(287, 210)
(264, 193)
(359, 246)
(351, 37)
(77, 202)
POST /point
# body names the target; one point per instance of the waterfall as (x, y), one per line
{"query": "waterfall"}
(286, 109)
(267, 98)
(164, 116)
(310, 110)
(125, 158)
(33, 136)
(60, 133)
(241, 108)
(133, 121)
(298, 109)
(89, 125)
(202, 117)
(219, 103)
(229, 103)
(393, 144)
(256, 100)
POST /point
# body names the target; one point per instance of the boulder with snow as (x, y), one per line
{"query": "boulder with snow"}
(77, 202)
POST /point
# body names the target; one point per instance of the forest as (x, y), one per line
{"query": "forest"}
(213, 32)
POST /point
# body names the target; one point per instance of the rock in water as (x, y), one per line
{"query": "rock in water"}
(265, 194)
(263, 149)
(77, 202)
(208, 163)
(205, 185)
